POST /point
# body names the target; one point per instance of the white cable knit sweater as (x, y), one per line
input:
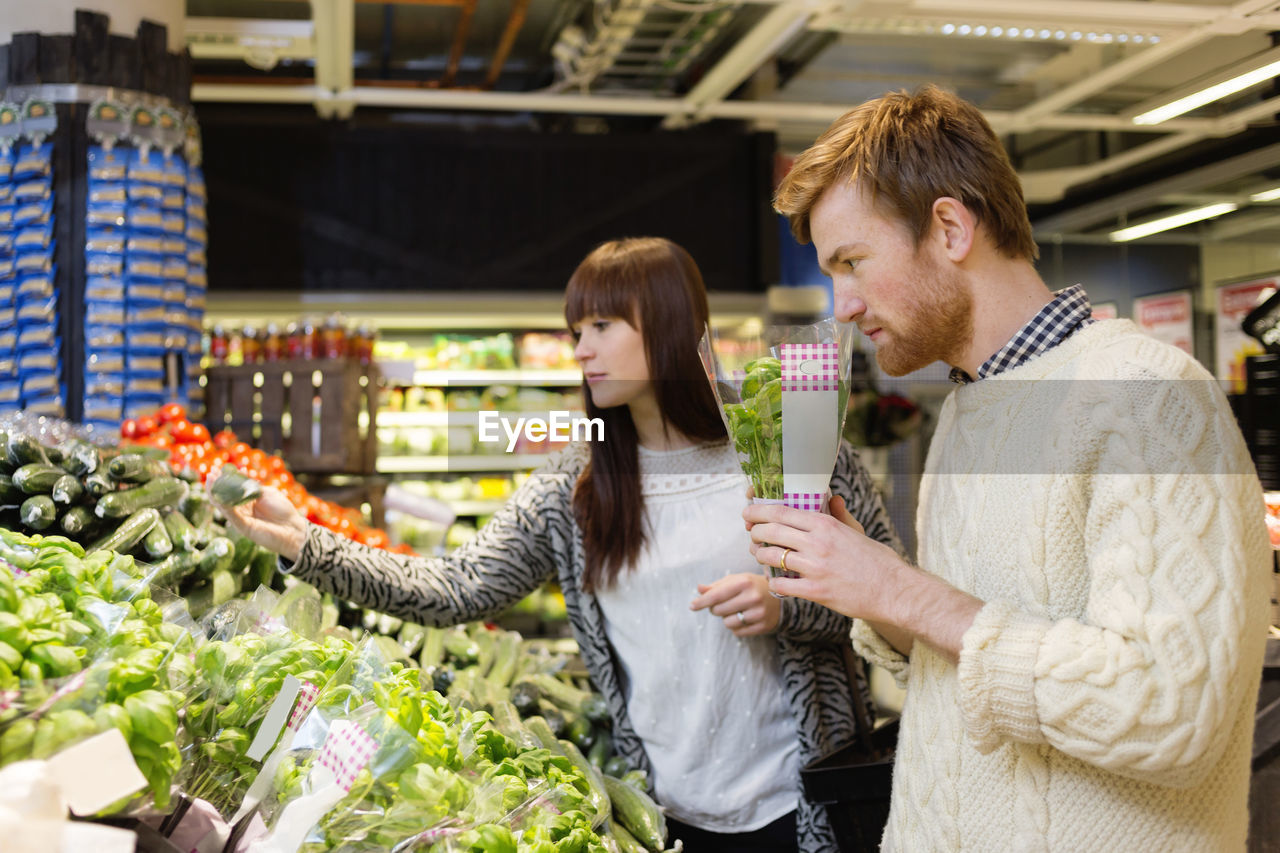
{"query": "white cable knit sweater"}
(1100, 500)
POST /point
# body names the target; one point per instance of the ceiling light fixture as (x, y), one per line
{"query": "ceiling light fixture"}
(1216, 92)
(1266, 195)
(1176, 220)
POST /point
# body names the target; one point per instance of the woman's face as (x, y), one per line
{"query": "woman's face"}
(611, 353)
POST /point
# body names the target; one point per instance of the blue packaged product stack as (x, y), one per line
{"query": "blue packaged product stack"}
(147, 223)
(106, 241)
(10, 389)
(197, 240)
(174, 209)
(27, 247)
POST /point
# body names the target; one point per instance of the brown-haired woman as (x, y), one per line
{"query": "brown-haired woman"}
(643, 533)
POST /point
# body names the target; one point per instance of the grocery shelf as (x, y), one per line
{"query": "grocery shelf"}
(519, 376)
(450, 419)
(450, 464)
(463, 508)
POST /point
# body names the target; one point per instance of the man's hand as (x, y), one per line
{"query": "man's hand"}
(271, 521)
(743, 602)
(841, 568)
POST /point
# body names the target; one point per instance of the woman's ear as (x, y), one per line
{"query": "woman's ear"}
(954, 227)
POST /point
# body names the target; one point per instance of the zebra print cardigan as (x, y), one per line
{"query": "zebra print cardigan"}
(534, 537)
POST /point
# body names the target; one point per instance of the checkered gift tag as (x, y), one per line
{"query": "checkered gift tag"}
(7, 698)
(811, 367)
(806, 500)
(17, 572)
(346, 751)
(306, 701)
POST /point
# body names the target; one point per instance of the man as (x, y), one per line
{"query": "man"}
(1082, 641)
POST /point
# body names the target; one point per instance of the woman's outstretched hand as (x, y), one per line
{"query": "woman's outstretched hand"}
(743, 602)
(270, 521)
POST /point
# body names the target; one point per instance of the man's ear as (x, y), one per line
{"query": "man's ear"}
(954, 227)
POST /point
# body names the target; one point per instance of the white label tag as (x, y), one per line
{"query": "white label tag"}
(277, 716)
(96, 772)
(810, 399)
(78, 837)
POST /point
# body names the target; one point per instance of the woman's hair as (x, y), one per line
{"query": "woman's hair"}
(655, 286)
(906, 151)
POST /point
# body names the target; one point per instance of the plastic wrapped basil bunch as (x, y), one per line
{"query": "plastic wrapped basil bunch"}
(783, 393)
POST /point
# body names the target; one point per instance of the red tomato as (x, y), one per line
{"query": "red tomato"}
(129, 429)
(224, 439)
(146, 426)
(160, 439)
(180, 429)
(376, 538)
(200, 433)
(171, 412)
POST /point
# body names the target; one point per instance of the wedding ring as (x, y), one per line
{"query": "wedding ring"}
(785, 552)
(742, 620)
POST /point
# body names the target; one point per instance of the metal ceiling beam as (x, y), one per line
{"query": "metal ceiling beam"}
(334, 22)
(515, 20)
(459, 43)
(1098, 12)
(1089, 215)
(1245, 222)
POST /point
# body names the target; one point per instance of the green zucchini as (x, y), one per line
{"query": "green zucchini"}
(627, 843)
(217, 557)
(67, 490)
(25, 450)
(157, 543)
(38, 512)
(37, 478)
(637, 813)
(181, 534)
(98, 484)
(126, 537)
(566, 696)
(232, 488)
(581, 732)
(81, 458)
(599, 795)
(616, 767)
(9, 493)
(539, 728)
(136, 468)
(155, 493)
(525, 696)
(78, 522)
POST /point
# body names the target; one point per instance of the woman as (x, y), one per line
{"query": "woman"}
(644, 534)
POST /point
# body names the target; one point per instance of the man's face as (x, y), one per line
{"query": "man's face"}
(915, 307)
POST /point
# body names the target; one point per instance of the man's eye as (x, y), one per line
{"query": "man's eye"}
(853, 263)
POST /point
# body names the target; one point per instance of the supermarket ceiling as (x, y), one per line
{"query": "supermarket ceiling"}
(1117, 112)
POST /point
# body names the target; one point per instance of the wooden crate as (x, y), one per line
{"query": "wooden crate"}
(308, 411)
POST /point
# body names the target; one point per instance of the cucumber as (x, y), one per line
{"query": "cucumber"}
(130, 532)
(410, 638)
(38, 512)
(637, 779)
(81, 458)
(262, 570)
(155, 493)
(37, 478)
(506, 654)
(78, 522)
(196, 507)
(25, 450)
(460, 648)
(67, 490)
(581, 732)
(554, 716)
(232, 488)
(627, 843)
(217, 557)
(538, 727)
(171, 571)
(599, 795)
(9, 493)
(219, 589)
(599, 752)
(183, 536)
(432, 647)
(566, 696)
(525, 696)
(98, 484)
(157, 543)
(55, 454)
(243, 553)
(637, 813)
(616, 767)
(136, 468)
(507, 721)
(461, 697)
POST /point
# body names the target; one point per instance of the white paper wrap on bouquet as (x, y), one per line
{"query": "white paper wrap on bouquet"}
(810, 396)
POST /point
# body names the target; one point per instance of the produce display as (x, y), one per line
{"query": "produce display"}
(756, 425)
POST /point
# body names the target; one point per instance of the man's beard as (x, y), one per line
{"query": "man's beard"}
(936, 326)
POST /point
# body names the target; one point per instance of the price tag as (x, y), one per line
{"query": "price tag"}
(97, 772)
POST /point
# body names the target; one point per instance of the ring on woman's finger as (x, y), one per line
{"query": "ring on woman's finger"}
(785, 552)
(742, 620)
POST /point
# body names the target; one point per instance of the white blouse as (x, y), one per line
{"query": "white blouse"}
(709, 706)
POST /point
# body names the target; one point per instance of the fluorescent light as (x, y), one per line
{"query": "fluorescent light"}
(1266, 195)
(1176, 220)
(1208, 95)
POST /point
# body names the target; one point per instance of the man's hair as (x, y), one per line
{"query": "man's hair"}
(906, 151)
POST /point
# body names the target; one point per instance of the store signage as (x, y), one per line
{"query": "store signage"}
(1231, 344)
(561, 426)
(1105, 310)
(1167, 317)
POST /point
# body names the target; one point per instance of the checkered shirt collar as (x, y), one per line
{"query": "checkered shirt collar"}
(1067, 311)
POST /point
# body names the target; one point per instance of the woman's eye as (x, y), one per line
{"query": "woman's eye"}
(600, 325)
